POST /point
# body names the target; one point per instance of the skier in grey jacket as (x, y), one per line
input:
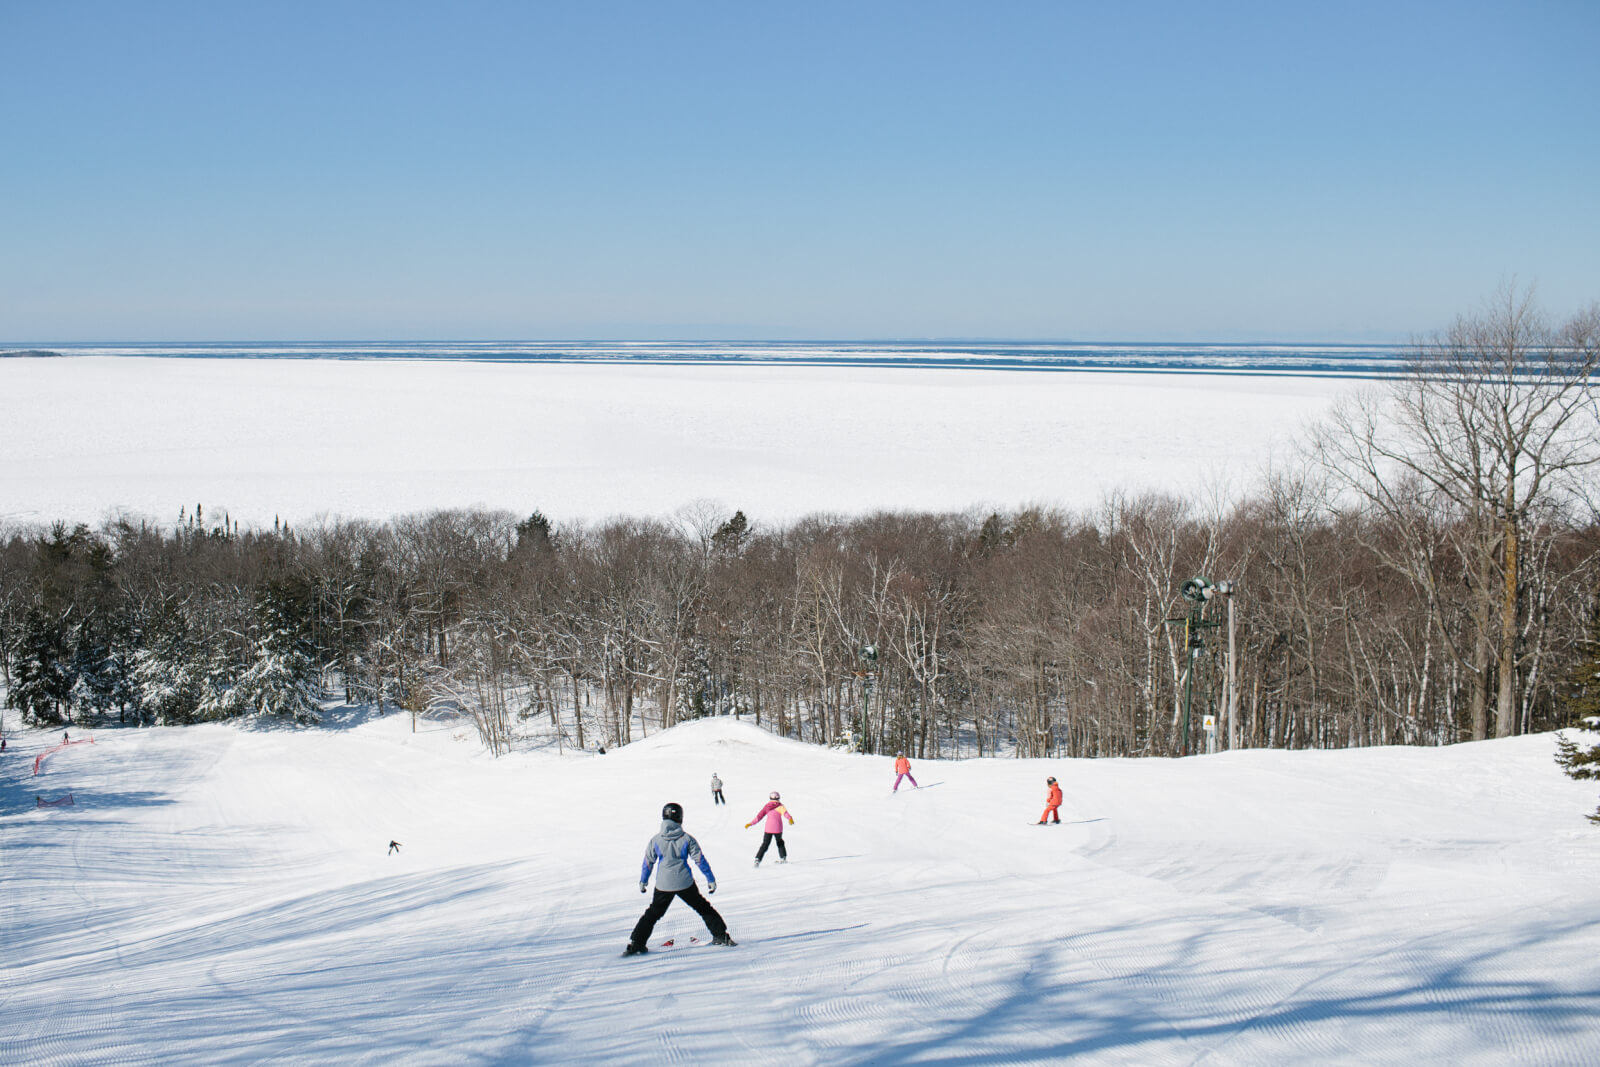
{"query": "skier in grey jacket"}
(669, 853)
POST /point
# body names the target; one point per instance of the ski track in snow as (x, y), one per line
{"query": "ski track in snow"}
(224, 895)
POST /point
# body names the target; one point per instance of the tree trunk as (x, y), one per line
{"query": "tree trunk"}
(577, 711)
(1505, 719)
(1479, 702)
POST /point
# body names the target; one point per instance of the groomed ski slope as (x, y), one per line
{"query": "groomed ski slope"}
(224, 895)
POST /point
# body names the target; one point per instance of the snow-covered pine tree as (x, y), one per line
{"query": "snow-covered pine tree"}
(1580, 697)
(41, 674)
(168, 676)
(92, 671)
(694, 688)
(282, 678)
(102, 665)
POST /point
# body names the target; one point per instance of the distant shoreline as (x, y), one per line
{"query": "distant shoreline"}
(1278, 360)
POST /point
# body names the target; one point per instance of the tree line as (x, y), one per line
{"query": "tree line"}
(1425, 570)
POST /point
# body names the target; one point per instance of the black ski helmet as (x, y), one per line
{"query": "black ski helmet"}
(1050, 781)
(673, 811)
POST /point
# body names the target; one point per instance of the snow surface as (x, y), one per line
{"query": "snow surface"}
(260, 438)
(222, 894)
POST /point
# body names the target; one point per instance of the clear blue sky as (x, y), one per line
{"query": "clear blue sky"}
(1135, 171)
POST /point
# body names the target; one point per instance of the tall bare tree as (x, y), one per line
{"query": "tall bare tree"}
(1491, 418)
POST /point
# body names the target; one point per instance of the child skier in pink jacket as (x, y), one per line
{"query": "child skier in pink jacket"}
(775, 813)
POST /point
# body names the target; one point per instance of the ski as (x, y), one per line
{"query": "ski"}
(669, 942)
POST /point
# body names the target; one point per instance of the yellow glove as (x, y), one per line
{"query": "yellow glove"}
(748, 825)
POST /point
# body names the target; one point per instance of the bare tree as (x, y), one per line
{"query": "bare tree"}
(1492, 417)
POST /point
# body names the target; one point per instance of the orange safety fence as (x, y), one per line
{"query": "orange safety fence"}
(38, 761)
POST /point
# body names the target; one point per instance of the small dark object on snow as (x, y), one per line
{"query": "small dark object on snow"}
(394, 846)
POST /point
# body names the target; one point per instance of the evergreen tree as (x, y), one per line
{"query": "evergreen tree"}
(534, 534)
(731, 535)
(93, 673)
(992, 537)
(694, 688)
(282, 677)
(42, 678)
(168, 678)
(102, 664)
(1580, 698)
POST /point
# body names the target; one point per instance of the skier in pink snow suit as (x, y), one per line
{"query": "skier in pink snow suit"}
(774, 813)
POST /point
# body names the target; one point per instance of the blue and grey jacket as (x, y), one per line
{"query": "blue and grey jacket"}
(673, 849)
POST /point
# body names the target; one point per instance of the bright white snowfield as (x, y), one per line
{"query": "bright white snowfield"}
(374, 439)
(224, 895)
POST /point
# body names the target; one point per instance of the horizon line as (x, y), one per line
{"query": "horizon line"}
(111, 342)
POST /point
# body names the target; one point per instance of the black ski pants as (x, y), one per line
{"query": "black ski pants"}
(716, 797)
(767, 839)
(658, 907)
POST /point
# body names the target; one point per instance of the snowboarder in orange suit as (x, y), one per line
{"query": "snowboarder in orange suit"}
(1052, 803)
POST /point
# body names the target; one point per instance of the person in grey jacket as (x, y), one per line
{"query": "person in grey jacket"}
(669, 854)
(716, 789)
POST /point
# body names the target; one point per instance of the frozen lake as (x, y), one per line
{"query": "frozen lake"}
(583, 440)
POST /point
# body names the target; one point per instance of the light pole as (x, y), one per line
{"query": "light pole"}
(1196, 591)
(869, 663)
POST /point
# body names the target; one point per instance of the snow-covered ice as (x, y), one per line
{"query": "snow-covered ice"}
(224, 894)
(376, 438)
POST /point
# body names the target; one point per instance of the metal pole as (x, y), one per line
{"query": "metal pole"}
(866, 699)
(1233, 679)
(869, 659)
(1188, 684)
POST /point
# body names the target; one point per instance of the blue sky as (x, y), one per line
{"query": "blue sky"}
(1094, 171)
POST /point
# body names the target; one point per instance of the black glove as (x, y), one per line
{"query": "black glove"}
(644, 887)
(711, 887)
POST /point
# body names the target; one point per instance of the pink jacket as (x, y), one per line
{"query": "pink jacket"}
(775, 813)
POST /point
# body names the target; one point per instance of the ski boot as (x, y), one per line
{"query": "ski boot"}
(783, 859)
(635, 950)
(758, 863)
(724, 939)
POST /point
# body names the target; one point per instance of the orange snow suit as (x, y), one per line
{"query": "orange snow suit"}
(1051, 803)
(902, 766)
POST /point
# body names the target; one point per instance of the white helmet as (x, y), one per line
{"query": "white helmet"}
(772, 795)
